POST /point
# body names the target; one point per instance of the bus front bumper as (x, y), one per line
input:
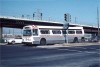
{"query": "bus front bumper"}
(34, 42)
(27, 43)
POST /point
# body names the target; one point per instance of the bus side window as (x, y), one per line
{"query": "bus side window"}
(78, 31)
(64, 32)
(35, 32)
(56, 31)
(45, 31)
(71, 32)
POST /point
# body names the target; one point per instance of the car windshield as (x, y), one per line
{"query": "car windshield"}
(27, 33)
(18, 38)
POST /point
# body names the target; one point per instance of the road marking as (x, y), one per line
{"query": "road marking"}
(86, 48)
(98, 49)
(70, 50)
(81, 47)
(79, 51)
(45, 58)
(91, 52)
(86, 51)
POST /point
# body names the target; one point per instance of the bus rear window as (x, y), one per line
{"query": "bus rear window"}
(78, 32)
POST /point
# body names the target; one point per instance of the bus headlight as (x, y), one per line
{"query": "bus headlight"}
(27, 39)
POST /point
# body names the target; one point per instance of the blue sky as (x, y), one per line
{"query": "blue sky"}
(84, 10)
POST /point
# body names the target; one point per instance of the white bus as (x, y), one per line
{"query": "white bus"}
(43, 35)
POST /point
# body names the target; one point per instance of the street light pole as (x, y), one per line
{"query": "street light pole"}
(41, 15)
(98, 20)
(75, 20)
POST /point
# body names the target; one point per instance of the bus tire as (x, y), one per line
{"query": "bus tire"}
(8, 43)
(75, 40)
(13, 42)
(82, 39)
(43, 41)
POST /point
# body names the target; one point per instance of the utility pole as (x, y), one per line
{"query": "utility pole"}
(67, 18)
(28, 16)
(75, 20)
(34, 15)
(13, 32)
(98, 20)
(41, 15)
(9, 32)
(22, 16)
(38, 15)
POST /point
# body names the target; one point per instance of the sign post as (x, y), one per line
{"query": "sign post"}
(65, 27)
(67, 18)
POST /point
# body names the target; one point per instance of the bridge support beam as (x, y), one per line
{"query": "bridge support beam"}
(1, 32)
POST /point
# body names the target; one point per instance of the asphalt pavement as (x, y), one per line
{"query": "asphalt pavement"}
(29, 56)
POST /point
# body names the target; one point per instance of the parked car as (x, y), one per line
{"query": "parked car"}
(14, 40)
(88, 37)
(95, 39)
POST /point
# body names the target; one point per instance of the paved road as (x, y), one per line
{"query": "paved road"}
(83, 56)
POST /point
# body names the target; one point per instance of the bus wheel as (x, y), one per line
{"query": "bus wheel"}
(8, 43)
(13, 42)
(75, 40)
(43, 42)
(82, 39)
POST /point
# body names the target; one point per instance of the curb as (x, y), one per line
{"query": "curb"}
(3, 43)
(68, 45)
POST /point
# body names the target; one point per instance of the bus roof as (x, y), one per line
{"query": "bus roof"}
(52, 27)
(75, 28)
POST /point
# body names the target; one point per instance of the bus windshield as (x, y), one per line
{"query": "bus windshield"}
(27, 33)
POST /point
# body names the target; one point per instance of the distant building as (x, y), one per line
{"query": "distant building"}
(10, 36)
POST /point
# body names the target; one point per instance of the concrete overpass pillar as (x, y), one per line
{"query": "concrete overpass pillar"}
(1, 32)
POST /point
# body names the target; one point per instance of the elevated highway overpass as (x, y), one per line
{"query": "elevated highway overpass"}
(13, 22)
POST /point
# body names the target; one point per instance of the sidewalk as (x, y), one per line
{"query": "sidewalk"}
(68, 45)
(3, 43)
(63, 45)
